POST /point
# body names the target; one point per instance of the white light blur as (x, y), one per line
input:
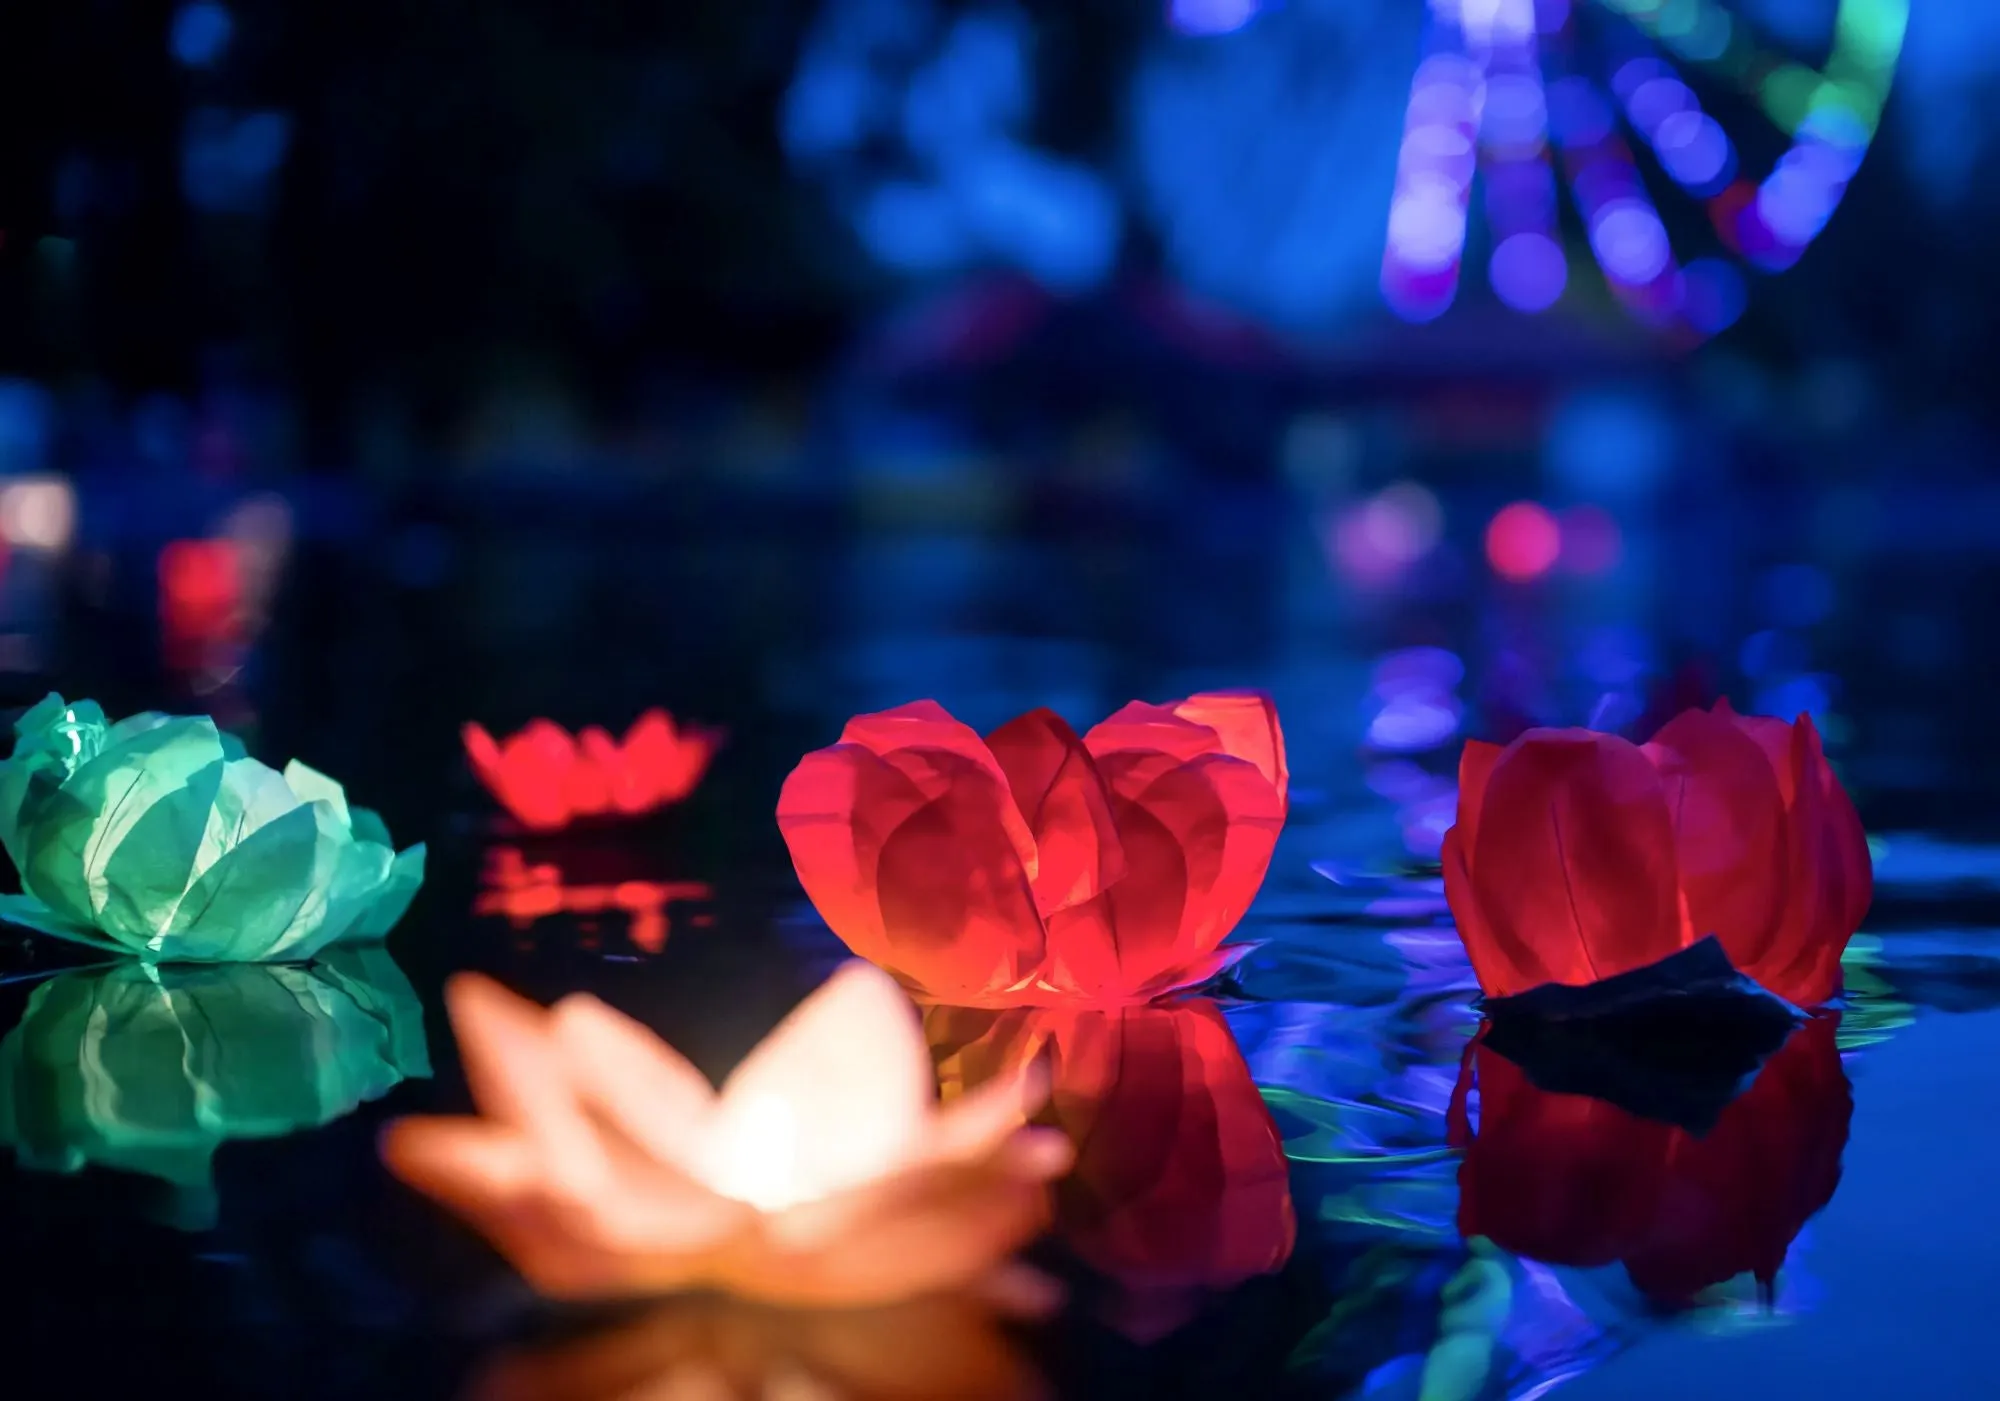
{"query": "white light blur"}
(38, 513)
(756, 1154)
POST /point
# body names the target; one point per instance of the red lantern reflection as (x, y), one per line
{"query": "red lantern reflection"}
(1572, 1180)
(1180, 1186)
(525, 894)
(547, 779)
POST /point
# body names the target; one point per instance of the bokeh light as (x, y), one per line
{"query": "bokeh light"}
(38, 513)
(1392, 530)
(1210, 16)
(201, 33)
(1529, 271)
(1592, 543)
(1479, 106)
(1523, 541)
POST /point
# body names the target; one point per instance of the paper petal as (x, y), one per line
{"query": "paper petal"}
(1729, 830)
(841, 1089)
(1574, 873)
(1059, 792)
(369, 827)
(83, 826)
(246, 902)
(392, 899)
(312, 786)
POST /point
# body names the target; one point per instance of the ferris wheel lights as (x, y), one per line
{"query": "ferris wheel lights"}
(1840, 124)
(1872, 30)
(1516, 117)
(1443, 146)
(1630, 242)
(1695, 151)
(1713, 295)
(1529, 272)
(1210, 17)
(1427, 224)
(1635, 74)
(1709, 39)
(1522, 192)
(1578, 114)
(1655, 100)
(1485, 77)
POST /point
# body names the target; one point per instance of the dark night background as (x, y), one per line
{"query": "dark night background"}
(368, 368)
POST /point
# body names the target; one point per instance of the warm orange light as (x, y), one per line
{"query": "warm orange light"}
(1034, 866)
(1181, 1186)
(547, 779)
(525, 894)
(723, 1350)
(823, 1172)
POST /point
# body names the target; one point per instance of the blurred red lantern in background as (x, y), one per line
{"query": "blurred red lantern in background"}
(547, 778)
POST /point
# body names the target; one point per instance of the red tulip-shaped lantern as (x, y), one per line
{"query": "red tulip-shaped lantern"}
(1036, 867)
(1578, 856)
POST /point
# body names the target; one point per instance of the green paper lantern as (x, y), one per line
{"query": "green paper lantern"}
(150, 1069)
(158, 836)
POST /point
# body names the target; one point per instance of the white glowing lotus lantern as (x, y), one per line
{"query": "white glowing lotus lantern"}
(823, 1172)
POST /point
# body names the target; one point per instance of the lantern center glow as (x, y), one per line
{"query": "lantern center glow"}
(757, 1158)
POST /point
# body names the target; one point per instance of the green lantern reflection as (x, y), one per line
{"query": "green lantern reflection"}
(150, 1069)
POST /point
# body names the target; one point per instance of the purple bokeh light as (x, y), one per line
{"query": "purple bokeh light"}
(1529, 272)
(1210, 17)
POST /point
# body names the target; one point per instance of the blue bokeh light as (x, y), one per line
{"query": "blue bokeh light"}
(915, 120)
(1267, 175)
(1605, 443)
(201, 33)
(1210, 16)
(228, 158)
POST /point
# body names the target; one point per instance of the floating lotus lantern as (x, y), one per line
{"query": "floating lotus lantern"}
(1580, 856)
(159, 837)
(548, 778)
(822, 1173)
(1034, 867)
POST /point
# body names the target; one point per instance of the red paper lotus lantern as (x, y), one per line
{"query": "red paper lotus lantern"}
(1578, 855)
(1180, 1186)
(1034, 867)
(547, 779)
(1572, 1180)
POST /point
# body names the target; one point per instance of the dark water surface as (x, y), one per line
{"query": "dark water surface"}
(235, 1235)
